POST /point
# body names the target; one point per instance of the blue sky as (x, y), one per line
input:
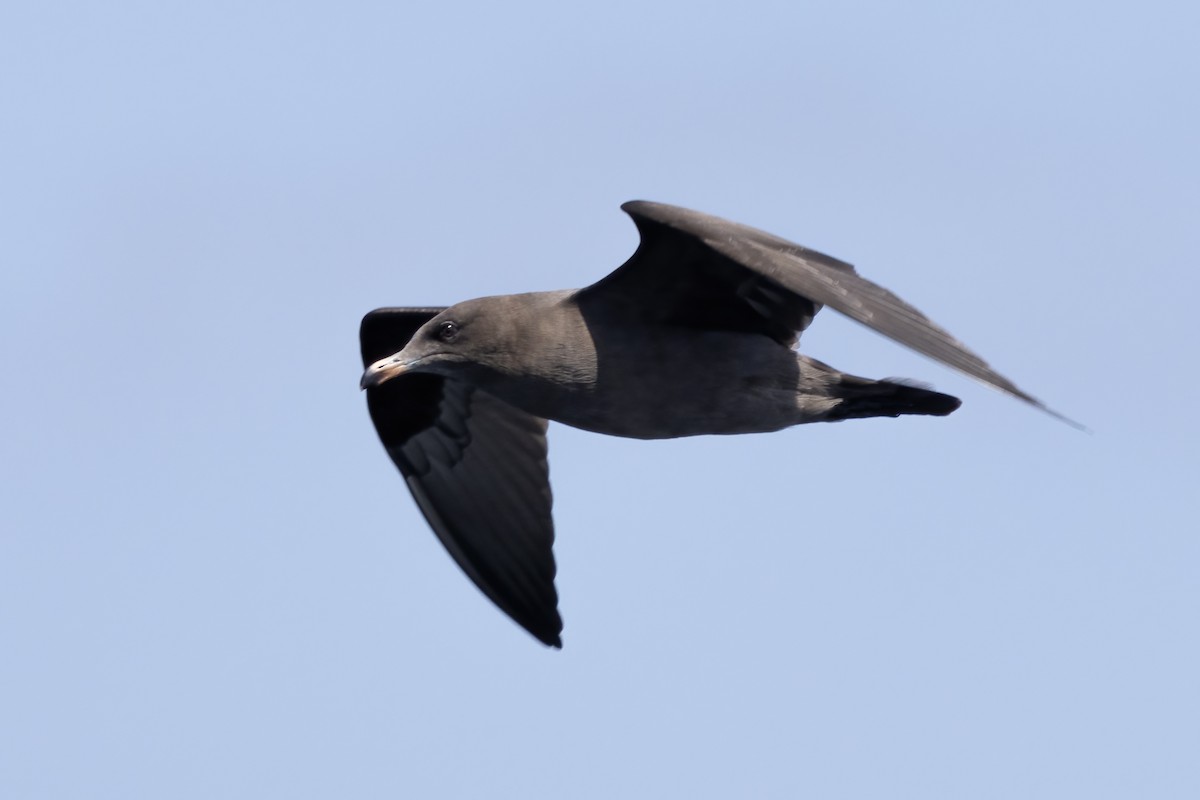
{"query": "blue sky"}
(213, 584)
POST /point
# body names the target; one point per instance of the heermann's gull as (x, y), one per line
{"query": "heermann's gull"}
(694, 334)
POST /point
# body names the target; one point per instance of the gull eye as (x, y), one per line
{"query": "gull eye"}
(447, 331)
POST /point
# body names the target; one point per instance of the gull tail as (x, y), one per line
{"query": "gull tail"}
(861, 398)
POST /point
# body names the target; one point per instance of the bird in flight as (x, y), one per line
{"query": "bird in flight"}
(695, 334)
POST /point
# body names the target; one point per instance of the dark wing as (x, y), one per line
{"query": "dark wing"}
(477, 469)
(696, 269)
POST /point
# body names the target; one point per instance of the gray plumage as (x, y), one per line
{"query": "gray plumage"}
(695, 334)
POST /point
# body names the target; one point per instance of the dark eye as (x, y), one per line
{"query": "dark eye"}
(447, 331)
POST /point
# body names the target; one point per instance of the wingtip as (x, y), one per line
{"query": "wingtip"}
(1079, 426)
(1045, 409)
(548, 633)
(552, 640)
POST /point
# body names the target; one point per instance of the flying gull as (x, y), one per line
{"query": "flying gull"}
(695, 334)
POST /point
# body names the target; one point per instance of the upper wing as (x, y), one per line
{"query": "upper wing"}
(477, 469)
(696, 269)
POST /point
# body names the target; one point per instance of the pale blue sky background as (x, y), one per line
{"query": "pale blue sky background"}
(214, 585)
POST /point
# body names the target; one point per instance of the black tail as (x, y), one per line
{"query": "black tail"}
(888, 398)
